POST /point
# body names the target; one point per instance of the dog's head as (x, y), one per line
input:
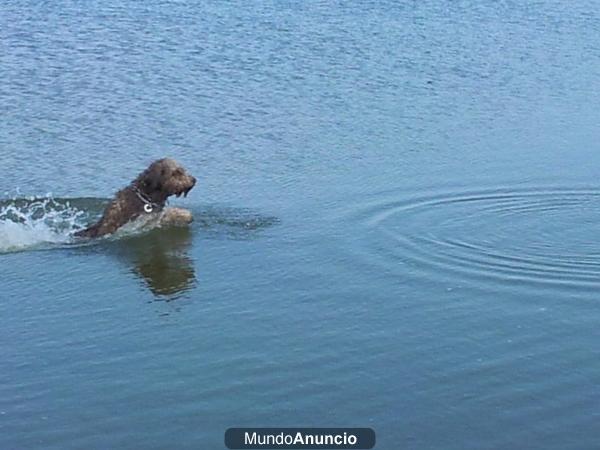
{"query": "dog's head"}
(163, 178)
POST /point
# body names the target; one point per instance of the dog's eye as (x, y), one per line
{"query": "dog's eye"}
(178, 173)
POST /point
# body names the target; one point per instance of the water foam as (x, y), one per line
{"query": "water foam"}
(27, 223)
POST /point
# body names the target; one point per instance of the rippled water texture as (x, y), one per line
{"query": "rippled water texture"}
(395, 222)
(531, 237)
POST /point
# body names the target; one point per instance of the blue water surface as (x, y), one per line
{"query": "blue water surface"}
(396, 222)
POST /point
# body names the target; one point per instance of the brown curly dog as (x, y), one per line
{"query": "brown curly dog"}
(145, 195)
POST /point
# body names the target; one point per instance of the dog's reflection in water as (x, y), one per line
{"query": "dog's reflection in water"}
(160, 258)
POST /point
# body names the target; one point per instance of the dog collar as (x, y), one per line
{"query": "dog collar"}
(148, 205)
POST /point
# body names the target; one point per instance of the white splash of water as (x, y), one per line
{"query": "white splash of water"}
(143, 223)
(36, 222)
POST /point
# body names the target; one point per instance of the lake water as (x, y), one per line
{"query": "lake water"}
(396, 222)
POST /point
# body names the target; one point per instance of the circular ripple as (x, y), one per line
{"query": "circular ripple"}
(537, 236)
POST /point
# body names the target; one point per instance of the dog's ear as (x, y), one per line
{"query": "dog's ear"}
(152, 180)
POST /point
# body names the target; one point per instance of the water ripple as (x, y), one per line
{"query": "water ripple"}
(528, 236)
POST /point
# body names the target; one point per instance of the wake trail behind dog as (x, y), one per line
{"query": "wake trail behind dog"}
(37, 222)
